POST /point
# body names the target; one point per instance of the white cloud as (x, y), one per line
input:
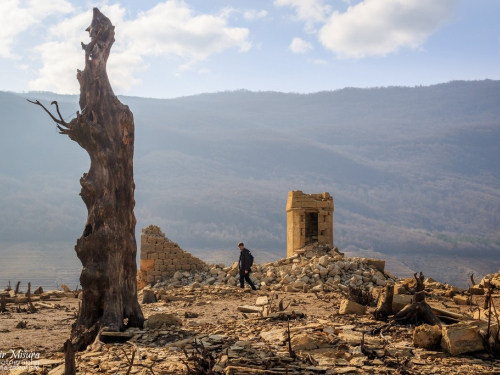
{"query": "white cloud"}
(17, 17)
(170, 29)
(300, 46)
(58, 73)
(309, 11)
(380, 27)
(252, 15)
(319, 62)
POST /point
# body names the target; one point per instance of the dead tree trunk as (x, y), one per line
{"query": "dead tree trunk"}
(417, 313)
(107, 247)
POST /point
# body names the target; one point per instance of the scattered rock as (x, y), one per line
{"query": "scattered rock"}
(159, 321)
(461, 300)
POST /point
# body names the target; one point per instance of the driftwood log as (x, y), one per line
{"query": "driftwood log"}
(107, 247)
(384, 307)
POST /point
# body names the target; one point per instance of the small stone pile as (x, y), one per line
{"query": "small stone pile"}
(491, 280)
(317, 268)
(162, 258)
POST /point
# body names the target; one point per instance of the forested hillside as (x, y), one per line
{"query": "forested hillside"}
(414, 172)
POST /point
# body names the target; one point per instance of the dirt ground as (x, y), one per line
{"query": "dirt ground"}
(211, 311)
(48, 329)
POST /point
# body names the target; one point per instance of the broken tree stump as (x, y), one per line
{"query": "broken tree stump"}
(148, 296)
(31, 307)
(3, 307)
(69, 358)
(417, 313)
(384, 307)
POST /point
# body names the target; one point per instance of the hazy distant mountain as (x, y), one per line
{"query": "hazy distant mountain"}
(414, 172)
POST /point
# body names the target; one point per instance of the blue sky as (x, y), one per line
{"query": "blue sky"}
(174, 48)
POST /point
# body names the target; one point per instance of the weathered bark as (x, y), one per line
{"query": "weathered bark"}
(107, 247)
(384, 308)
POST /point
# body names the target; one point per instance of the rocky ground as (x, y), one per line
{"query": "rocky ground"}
(303, 320)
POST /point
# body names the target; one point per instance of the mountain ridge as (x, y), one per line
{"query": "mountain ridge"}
(413, 170)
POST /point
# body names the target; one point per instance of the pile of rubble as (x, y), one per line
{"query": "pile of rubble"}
(315, 269)
(202, 329)
(491, 280)
(203, 324)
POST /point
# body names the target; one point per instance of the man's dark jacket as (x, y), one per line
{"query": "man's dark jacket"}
(244, 263)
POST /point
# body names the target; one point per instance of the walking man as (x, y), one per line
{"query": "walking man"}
(245, 264)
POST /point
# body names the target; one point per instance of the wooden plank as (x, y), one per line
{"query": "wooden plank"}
(250, 309)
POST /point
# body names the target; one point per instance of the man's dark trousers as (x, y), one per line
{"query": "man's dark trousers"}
(246, 277)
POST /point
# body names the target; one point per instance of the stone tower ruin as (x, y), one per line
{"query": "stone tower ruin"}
(309, 219)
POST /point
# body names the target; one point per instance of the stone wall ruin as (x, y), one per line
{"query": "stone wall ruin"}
(161, 257)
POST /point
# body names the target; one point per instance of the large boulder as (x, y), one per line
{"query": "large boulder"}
(462, 338)
(350, 307)
(427, 336)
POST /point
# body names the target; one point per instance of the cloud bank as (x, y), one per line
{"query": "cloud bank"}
(377, 28)
(170, 30)
(372, 27)
(16, 17)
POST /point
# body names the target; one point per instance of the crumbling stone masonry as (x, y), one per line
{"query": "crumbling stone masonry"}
(309, 219)
(161, 257)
